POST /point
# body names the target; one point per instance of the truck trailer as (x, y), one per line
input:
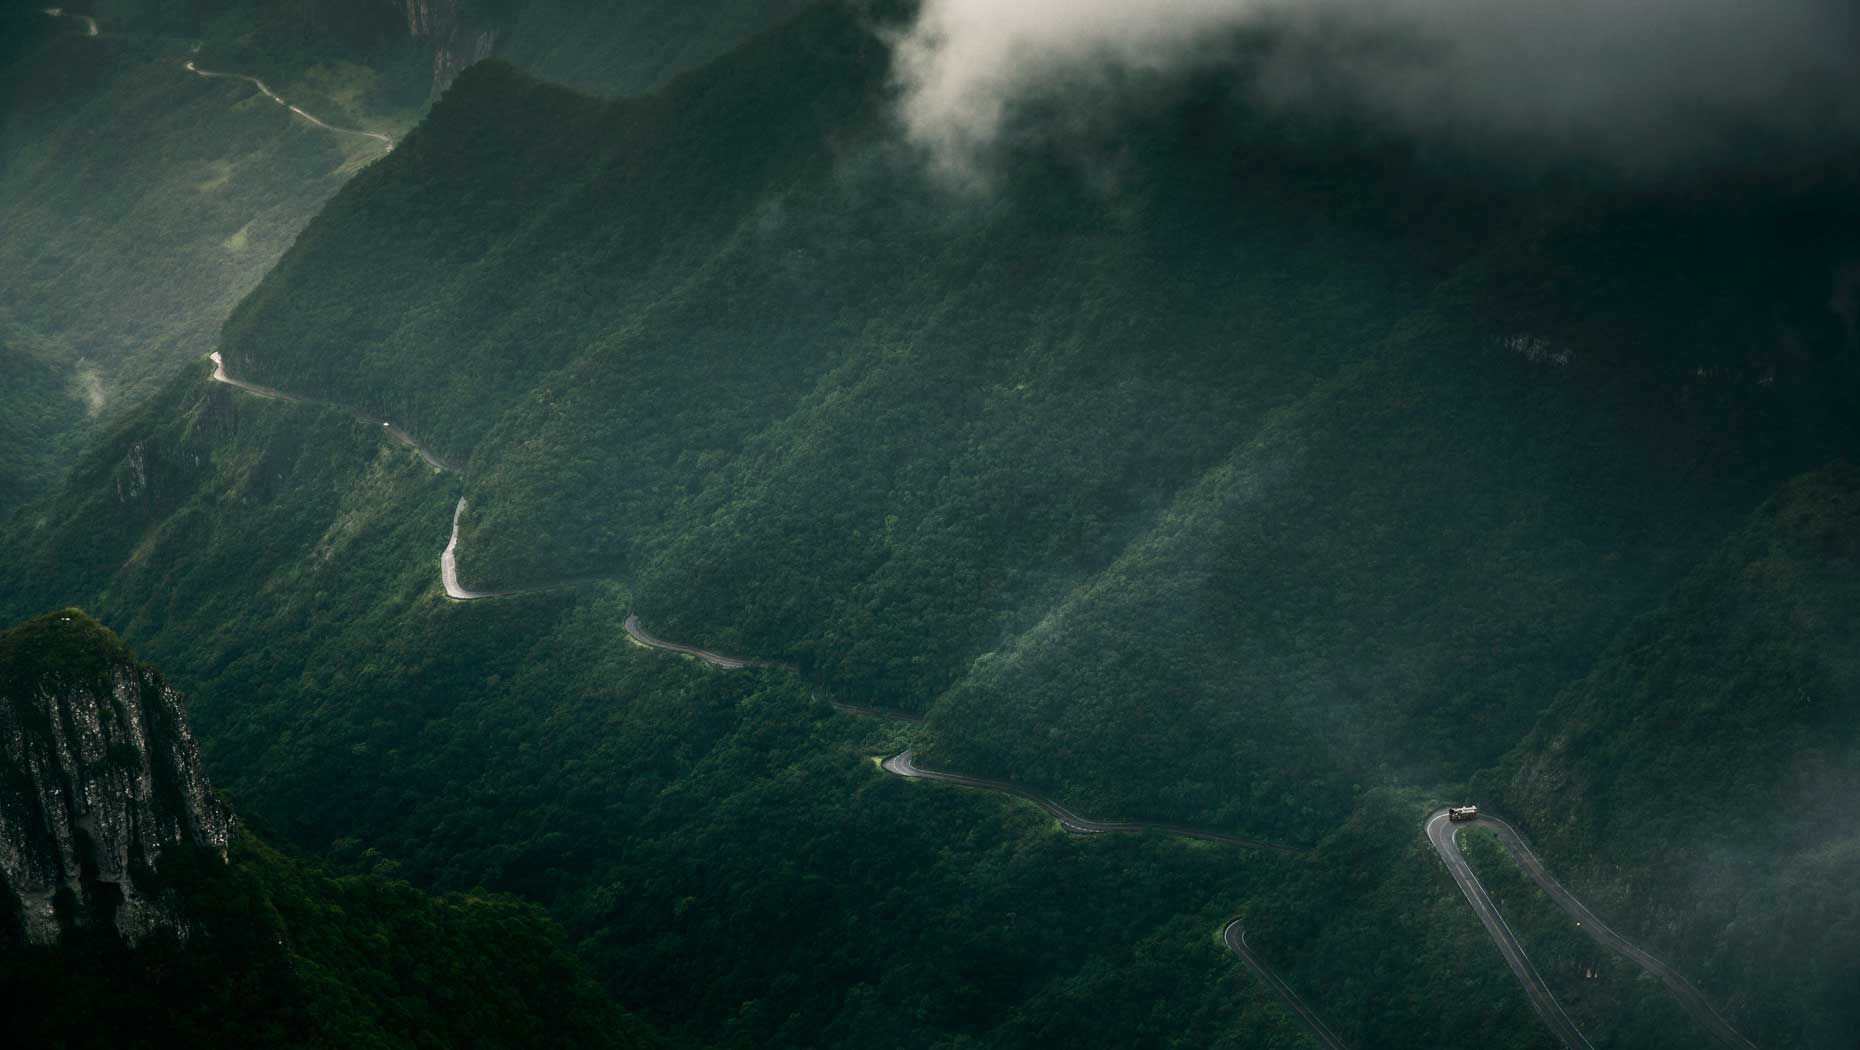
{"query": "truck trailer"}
(1460, 813)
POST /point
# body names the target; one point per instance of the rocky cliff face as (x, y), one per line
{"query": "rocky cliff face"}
(459, 37)
(100, 778)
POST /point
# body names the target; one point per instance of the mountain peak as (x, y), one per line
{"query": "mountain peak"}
(100, 778)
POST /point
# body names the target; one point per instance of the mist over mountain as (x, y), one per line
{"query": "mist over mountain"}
(114, 280)
(135, 909)
(1639, 87)
(1236, 525)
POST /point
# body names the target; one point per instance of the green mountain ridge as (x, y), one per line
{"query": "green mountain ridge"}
(1746, 680)
(114, 283)
(530, 749)
(1217, 468)
(256, 947)
(897, 440)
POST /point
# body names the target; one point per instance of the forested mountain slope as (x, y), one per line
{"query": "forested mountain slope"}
(1210, 466)
(140, 203)
(395, 56)
(284, 557)
(175, 924)
(1725, 729)
(1214, 457)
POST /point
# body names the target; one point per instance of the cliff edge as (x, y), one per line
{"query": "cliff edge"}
(99, 778)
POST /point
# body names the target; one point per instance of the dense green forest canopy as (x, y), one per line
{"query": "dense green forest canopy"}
(269, 949)
(282, 953)
(1362, 464)
(1213, 465)
(141, 201)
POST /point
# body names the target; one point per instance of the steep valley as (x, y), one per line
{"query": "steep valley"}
(1204, 466)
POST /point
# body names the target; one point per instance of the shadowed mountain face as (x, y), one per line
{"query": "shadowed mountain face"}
(142, 201)
(134, 912)
(1239, 438)
(101, 778)
(1207, 465)
(1725, 729)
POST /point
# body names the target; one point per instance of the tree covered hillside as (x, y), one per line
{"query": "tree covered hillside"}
(1174, 448)
(140, 203)
(1709, 762)
(721, 847)
(391, 58)
(267, 949)
(1206, 465)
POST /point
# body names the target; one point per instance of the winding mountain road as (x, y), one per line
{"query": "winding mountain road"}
(728, 663)
(386, 142)
(1441, 832)
(1444, 834)
(220, 375)
(1235, 937)
(904, 765)
(90, 24)
(449, 566)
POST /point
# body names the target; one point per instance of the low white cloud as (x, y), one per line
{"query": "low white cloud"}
(1643, 82)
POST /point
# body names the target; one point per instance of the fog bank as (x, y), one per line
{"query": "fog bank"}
(1638, 83)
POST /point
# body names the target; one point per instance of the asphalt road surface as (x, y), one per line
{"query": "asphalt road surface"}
(903, 765)
(1443, 833)
(1440, 832)
(728, 663)
(220, 375)
(1235, 936)
(449, 566)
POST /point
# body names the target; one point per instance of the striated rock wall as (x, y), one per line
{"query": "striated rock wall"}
(99, 777)
(459, 38)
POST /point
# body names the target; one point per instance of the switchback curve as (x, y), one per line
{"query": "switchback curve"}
(449, 567)
(1444, 835)
(90, 24)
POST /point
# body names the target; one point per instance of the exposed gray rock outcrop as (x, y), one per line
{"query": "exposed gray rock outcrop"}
(459, 36)
(100, 777)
